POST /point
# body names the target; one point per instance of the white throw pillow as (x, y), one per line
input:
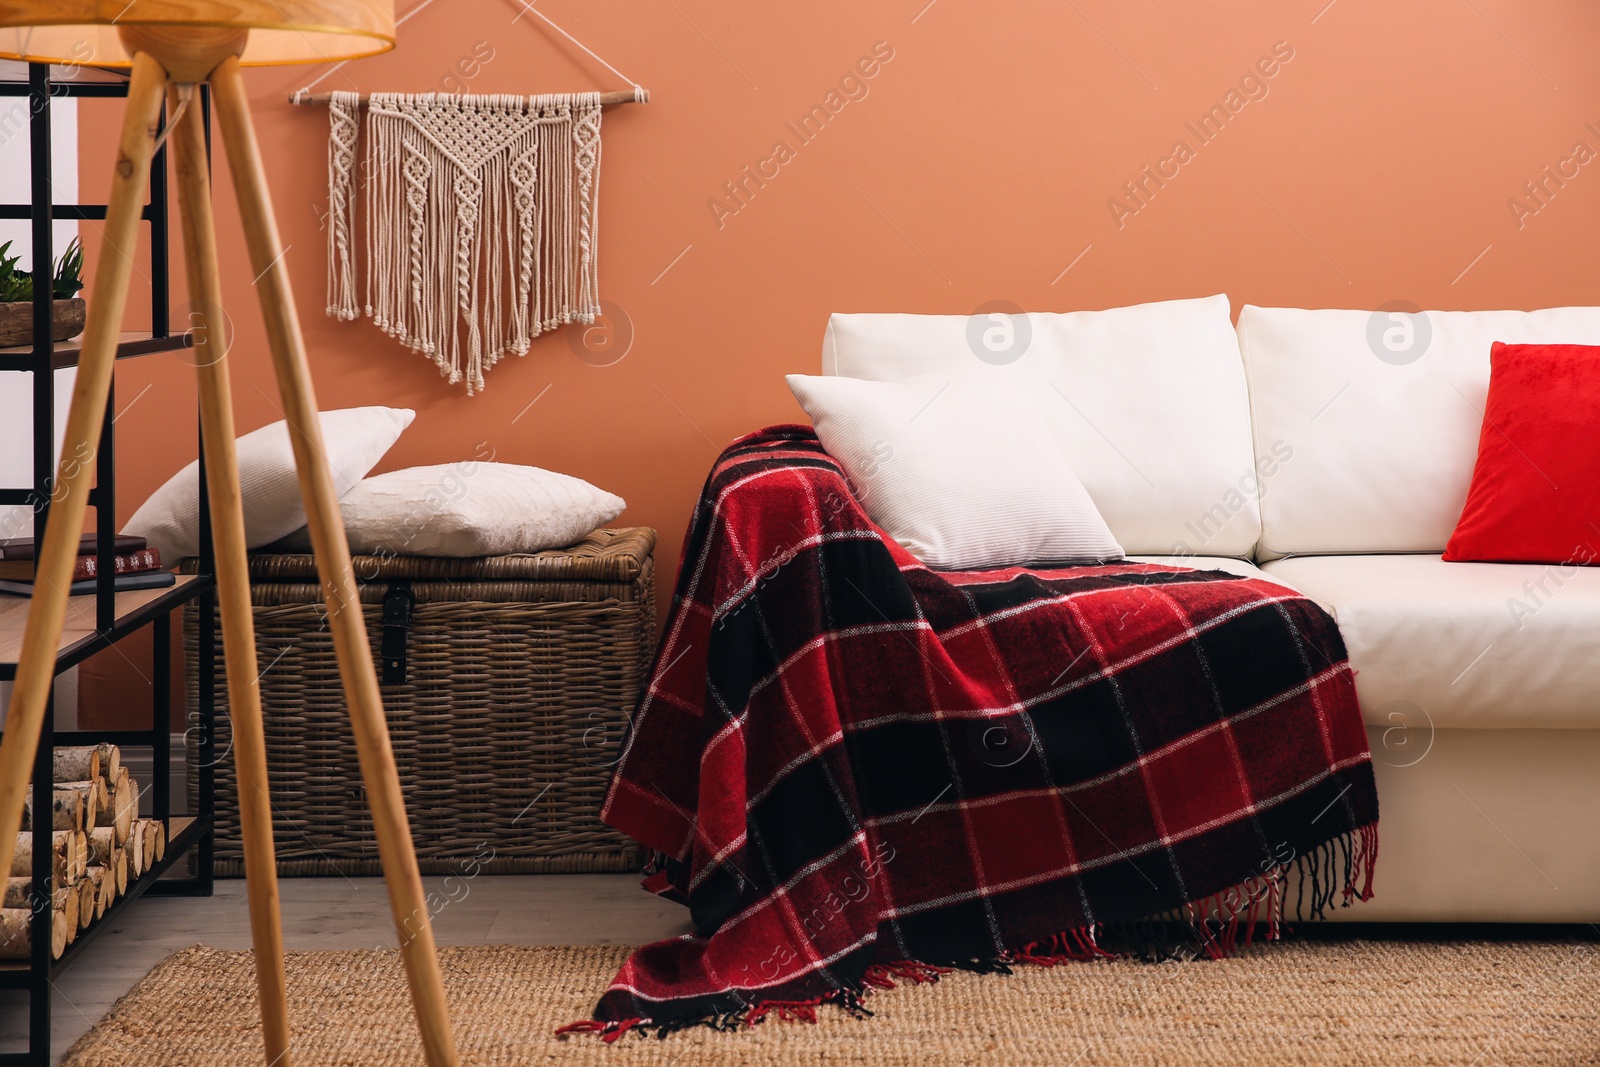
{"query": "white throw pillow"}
(469, 509)
(1149, 403)
(355, 439)
(957, 469)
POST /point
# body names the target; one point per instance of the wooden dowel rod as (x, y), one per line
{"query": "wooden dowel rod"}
(607, 99)
(233, 582)
(396, 852)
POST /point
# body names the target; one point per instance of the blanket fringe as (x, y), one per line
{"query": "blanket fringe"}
(607, 1031)
(1070, 945)
(1337, 872)
(882, 975)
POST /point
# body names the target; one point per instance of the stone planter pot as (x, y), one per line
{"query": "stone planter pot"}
(16, 321)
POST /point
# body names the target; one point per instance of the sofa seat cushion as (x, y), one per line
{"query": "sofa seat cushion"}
(1242, 567)
(1462, 645)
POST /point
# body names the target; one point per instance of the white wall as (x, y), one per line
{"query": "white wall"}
(16, 390)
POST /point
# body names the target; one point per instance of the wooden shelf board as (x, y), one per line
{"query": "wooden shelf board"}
(79, 625)
(67, 352)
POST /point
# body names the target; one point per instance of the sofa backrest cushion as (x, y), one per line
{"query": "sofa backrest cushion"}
(1149, 403)
(1377, 416)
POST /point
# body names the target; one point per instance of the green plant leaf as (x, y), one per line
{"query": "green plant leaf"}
(14, 284)
(17, 285)
(69, 269)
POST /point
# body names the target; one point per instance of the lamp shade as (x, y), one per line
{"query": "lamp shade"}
(84, 32)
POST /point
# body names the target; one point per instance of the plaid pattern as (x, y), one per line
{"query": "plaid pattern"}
(856, 768)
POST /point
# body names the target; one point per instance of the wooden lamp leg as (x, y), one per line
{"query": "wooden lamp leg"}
(233, 572)
(378, 772)
(75, 473)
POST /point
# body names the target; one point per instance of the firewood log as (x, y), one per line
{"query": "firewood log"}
(78, 764)
(104, 853)
(102, 842)
(118, 869)
(134, 850)
(94, 798)
(114, 857)
(66, 809)
(155, 841)
(124, 806)
(98, 880)
(22, 858)
(69, 848)
(66, 909)
(110, 763)
(88, 894)
(19, 893)
(92, 792)
(16, 933)
(77, 855)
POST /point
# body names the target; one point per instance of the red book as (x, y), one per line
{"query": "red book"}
(145, 559)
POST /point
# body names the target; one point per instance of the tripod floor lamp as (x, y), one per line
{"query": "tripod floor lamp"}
(172, 46)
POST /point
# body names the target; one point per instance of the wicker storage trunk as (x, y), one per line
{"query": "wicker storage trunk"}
(519, 676)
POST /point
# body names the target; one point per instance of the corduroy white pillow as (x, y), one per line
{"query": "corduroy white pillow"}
(469, 508)
(355, 439)
(961, 469)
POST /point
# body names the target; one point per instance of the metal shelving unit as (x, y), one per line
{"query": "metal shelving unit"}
(109, 616)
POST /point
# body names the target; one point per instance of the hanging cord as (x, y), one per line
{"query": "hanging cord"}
(640, 93)
(529, 9)
(185, 92)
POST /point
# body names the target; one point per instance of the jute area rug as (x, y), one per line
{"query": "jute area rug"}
(1345, 1003)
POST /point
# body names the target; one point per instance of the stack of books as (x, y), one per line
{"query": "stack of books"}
(135, 566)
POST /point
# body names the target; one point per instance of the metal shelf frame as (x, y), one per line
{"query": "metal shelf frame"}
(188, 836)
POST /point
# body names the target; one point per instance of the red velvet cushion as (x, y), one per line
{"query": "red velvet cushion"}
(1535, 495)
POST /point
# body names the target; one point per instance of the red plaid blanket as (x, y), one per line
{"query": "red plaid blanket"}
(854, 768)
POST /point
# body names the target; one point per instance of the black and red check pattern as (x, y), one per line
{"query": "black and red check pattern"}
(856, 767)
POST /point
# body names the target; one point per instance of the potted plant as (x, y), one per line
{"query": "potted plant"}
(16, 297)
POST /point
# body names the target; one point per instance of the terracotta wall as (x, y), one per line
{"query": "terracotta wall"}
(1304, 153)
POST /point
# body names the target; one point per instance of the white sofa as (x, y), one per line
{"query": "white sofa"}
(1331, 451)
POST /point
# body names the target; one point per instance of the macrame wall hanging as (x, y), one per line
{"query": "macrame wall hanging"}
(481, 217)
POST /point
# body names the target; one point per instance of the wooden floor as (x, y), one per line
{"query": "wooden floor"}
(334, 913)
